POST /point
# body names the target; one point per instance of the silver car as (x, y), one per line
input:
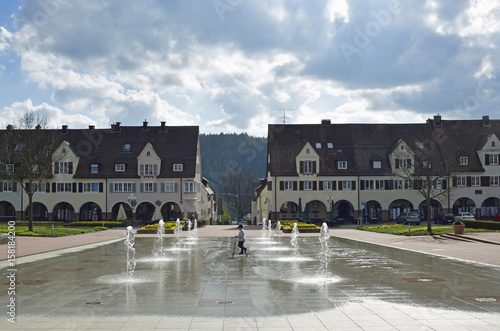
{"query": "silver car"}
(408, 218)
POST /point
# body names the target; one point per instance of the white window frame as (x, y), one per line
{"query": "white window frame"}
(94, 168)
(177, 167)
(148, 187)
(90, 187)
(346, 185)
(318, 145)
(493, 159)
(125, 187)
(64, 187)
(475, 181)
(9, 168)
(170, 187)
(189, 187)
(63, 167)
(494, 181)
(377, 164)
(120, 167)
(149, 169)
(8, 186)
(308, 167)
(327, 185)
(342, 165)
(329, 145)
(307, 185)
(288, 185)
(464, 160)
(461, 181)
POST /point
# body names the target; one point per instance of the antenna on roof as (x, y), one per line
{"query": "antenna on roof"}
(284, 113)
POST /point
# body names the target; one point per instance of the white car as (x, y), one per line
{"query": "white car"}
(465, 217)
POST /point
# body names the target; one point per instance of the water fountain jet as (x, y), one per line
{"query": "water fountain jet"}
(129, 243)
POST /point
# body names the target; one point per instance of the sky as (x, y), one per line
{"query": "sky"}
(236, 66)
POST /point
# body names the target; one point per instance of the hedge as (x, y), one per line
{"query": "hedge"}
(488, 225)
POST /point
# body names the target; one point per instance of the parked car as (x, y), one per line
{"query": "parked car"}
(465, 217)
(444, 219)
(408, 218)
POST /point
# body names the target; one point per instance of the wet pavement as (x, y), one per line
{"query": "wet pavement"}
(363, 281)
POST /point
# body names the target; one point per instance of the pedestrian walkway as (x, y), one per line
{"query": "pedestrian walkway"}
(215, 292)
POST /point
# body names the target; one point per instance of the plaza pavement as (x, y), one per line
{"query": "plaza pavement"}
(478, 247)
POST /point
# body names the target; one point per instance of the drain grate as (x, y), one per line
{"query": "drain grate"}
(225, 302)
(93, 303)
(226, 282)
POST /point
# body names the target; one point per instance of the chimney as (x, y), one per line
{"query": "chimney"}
(64, 129)
(162, 126)
(10, 127)
(38, 127)
(91, 127)
(326, 122)
(486, 121)
(115, 127)
(144, 125)
(437, 120)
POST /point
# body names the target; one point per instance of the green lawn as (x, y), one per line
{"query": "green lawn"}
(402, 230)
(46, 231)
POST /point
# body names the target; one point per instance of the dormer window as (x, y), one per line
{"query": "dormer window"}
(329, 145)
(177, 167)
(342, 164)
(18, 148)
(492, 144)
(63, 150)
(464, 160)
(120, 167)
(126, 148)
(377, 164)
(94, 168)
(318, 145)
(308, 151)
(307, 167)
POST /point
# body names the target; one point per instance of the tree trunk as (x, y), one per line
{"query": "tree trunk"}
(30, 211)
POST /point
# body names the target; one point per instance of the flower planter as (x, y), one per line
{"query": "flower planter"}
(458, 228)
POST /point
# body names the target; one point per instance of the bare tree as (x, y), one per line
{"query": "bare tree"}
(26, 154)
(238, 185)
(426, 168)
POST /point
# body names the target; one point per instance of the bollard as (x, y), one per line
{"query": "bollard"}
(53, 230)
(409, 229)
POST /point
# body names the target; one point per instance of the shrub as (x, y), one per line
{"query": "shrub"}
(288, 225)
(489, 225)
(107, 224)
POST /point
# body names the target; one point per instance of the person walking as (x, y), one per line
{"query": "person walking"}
(241, 240)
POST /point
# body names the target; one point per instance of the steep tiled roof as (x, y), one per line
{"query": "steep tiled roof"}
(359, 144)
(174, 144)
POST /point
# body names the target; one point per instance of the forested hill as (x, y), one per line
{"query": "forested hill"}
(222, 152)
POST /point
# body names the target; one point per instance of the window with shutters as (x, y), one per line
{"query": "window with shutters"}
(8, 187)
(288, 185)
(308, 185)
(149, 170)
(90, 187)
(308, 167)
(403, 163)
(346, 185)
(475, 181)
(170, 187)
(122, 187)
(64, 187)
(494, 181)
(148, 187)
(327, 185)
(461, 181)
(493, 159)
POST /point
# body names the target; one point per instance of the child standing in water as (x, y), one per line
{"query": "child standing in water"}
(241, 240)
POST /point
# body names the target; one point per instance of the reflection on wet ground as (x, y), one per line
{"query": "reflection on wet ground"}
(201, 278)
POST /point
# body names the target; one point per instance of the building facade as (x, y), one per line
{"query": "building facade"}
(140, 168)
(377, 171)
